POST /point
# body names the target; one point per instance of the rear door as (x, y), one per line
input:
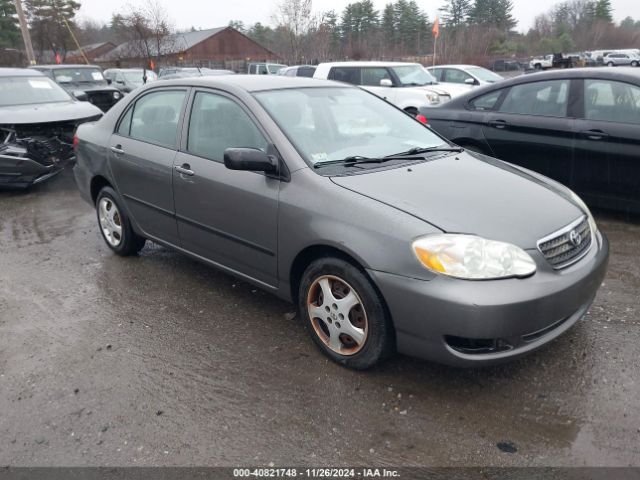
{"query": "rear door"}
(532, 127)
(142, 151)
(226, 216)
(607, 165)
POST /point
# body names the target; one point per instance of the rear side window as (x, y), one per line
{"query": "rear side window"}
(306, 72)
(611, 101)
(154, 118)
(548, 99)
(487, 101)
(437, 73)
(345, 74)
(218, 123)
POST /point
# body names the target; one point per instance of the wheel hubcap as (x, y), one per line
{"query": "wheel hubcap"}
(110, 221)
(337, 315)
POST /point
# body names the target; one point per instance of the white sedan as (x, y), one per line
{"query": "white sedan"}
(471, 75)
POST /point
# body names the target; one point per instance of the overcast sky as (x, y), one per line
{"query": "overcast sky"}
(215, 13)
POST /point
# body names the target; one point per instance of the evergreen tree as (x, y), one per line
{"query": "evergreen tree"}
(493, 13)
(47, 23)
(604, 10)
(455, 12)
(9, 31)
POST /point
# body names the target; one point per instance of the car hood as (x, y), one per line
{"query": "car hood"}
(465, 193)
(48, 112)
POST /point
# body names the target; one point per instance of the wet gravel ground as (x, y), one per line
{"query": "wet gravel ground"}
(159, 360)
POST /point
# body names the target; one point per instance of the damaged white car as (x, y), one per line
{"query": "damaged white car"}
(38, 120)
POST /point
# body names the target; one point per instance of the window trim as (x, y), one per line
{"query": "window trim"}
(131, 106)
(222, 93)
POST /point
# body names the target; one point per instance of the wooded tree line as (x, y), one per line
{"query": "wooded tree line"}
(473, 31)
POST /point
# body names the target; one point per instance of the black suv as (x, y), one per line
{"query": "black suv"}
(85, 82)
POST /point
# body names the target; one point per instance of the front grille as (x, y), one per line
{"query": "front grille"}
(567, 245)
(103, 100)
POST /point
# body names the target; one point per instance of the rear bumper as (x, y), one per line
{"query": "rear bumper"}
(475, 323)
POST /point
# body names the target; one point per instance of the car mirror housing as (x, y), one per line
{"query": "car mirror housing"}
(385, 82)
(470, 81)
(250, 159)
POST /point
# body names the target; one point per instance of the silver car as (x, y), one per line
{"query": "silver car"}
(619, 59)
(384, 235)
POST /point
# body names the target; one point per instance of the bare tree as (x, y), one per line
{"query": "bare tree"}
(295, 17)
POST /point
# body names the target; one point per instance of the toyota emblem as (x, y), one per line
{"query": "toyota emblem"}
(575, 238)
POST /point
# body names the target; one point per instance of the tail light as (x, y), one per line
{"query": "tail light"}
(422, 119)
(75, 141)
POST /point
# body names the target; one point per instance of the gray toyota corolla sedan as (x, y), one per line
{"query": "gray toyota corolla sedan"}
(385, 236)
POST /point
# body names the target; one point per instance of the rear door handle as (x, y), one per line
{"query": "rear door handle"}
(501, 124)
(184, 169)
(594, 134)
(117, 150)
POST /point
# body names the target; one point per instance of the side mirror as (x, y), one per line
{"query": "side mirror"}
(385, 82)
(80, 95)
(470, 81)
(250, 159)
(108, 81)
(119, 82)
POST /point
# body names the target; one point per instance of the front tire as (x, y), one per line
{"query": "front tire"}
(114, 225)
(634, 64)
(344, 314)
(610, 64)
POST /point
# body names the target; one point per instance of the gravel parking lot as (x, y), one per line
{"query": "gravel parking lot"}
(159, 360)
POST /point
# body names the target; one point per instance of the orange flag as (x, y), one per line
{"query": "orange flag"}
(58, 59)
(436, 28)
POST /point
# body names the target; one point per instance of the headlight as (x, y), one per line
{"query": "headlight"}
(471, 257)
(585, 209)
(116, 95)
(433, 98)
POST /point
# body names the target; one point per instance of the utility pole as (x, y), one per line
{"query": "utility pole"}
(26, 38)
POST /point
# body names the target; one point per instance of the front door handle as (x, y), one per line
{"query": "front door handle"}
(184, 169)
(501, 124)
(594, 134)
(117, 150)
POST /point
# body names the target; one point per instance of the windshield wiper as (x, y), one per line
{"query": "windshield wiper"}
(358, 159)
(420, 150)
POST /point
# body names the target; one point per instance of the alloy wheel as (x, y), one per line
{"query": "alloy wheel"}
(110, 221)
(337, 315)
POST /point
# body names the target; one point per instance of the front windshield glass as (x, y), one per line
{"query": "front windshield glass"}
(30, 90)
(413, 75)
(274, 67)
(484, 74)
(328, 124)
(134, 77)
(76, 75)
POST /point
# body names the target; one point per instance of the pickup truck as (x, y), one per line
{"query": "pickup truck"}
(556, 60)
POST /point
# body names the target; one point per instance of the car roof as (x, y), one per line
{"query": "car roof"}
(64, 65)
(20, 72)
(252, 83)
(368, 64)
(460, 65)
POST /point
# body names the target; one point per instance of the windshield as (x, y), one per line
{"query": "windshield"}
(134, 77)
(75, 75)
(328, 124)
(274, 67)
(30, 90)
(413, 75)
(484, 74)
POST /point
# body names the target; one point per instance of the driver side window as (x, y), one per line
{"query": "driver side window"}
(218, 123)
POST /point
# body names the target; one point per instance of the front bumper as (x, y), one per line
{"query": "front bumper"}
(18, 172)
(517, 316)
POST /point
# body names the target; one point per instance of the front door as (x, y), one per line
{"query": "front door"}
(531, 128)
(142, 151)
(225, 216)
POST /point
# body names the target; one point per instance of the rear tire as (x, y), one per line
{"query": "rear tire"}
(610, 64)
(344, 314)
(114, 225)
(634, 64)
